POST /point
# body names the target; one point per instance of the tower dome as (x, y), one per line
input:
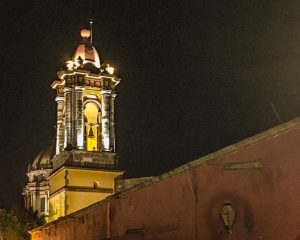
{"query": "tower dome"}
(43, 159)
(85, 51)
(36, 191)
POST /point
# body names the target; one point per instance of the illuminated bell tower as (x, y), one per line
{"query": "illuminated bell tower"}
(85, 101)
(84, 167)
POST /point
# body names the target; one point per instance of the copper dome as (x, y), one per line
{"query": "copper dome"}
(86, 52)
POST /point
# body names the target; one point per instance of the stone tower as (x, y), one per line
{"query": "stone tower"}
(84, 167)
(85, 102)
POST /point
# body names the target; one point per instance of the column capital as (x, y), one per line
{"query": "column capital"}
(79, 88)
(113, 96)
(103, 92)
(59, 99)
(67, 89)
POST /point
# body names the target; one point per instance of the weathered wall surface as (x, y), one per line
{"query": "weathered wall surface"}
(260, 176)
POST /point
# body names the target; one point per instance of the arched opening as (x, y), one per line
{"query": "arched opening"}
(92, 116)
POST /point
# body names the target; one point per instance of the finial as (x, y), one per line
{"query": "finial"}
(91, 29)
(85, 33)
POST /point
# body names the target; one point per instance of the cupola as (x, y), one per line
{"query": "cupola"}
(85, 53)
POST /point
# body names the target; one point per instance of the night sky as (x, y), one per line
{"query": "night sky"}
(196, 76)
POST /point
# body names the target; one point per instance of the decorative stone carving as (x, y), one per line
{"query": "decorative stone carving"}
(228, 216)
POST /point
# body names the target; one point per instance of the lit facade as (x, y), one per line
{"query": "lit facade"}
(84, 166)
(85, 102)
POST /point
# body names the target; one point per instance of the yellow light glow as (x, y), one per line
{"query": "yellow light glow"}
(92, 141)
(63, 201)
(91, 113)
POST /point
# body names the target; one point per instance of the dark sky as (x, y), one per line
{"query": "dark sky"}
(197, 76)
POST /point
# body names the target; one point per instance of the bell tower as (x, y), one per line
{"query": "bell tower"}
(85, 101)
(85, 164)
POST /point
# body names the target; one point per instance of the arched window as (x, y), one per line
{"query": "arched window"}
(92, 114)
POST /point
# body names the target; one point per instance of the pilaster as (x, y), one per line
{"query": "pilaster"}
(112, 122)
(59, 125)
(79, 120)
(105, 102)
(68, 117)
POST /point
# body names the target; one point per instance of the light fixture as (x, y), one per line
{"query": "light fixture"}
(109, 69)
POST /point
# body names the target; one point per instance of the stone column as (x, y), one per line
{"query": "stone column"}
(73, 117)
(68, 117)
(112, 122)
(79, 119)
(59, 125)
(105, 102)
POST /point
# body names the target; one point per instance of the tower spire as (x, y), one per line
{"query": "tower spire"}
(91, 28)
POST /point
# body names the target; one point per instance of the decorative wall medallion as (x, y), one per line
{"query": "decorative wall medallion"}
(228, 215)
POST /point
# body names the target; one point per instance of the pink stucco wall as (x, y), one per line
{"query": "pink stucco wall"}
(186, 205)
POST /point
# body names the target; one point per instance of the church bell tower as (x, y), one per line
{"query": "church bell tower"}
(85, 101)
(85, 164)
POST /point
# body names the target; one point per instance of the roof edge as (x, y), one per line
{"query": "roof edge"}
(265, 135)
